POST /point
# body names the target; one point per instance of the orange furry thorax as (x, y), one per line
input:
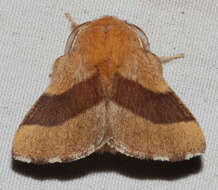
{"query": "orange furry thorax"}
(107, 42)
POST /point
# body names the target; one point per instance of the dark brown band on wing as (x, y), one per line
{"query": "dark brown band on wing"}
(54, 110)
(162, 108)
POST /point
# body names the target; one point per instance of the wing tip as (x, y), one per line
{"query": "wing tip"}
(176, 157)
(40, 162)
(161, 158)
(51, 160)
(192, 155)
(187, 156)
(22, 159)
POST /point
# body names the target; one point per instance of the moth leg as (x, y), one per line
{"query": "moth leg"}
(70, 18)
(165, 59)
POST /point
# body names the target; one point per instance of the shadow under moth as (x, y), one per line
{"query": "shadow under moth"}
(107, 93)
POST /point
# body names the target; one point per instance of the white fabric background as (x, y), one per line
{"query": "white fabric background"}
(33, 34)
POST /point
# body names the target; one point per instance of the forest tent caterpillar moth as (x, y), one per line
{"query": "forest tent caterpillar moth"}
(107, 93)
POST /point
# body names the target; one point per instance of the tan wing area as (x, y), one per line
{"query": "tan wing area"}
(147, 119)
(67, 122)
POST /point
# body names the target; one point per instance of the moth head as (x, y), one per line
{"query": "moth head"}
(106, 21)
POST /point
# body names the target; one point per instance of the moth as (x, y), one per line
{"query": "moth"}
(107, 94)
